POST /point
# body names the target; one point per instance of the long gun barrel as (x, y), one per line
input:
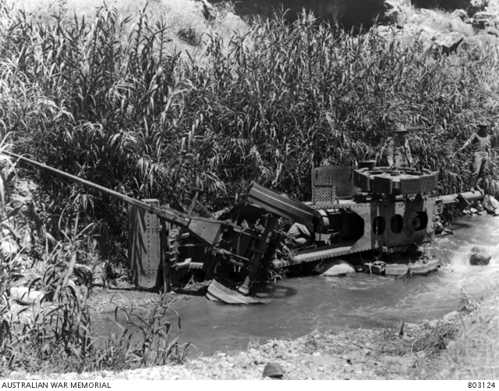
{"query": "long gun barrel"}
(175, 217)
(207, 230)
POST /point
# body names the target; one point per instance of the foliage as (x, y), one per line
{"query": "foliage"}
(144, 340)
(57, 336)
(60, 338)
(6, 169)
(134, 117)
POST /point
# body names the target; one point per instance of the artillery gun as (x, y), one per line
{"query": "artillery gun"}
(164, 244)
(353, 212)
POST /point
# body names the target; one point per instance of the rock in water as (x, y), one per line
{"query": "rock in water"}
(438, 227)
(338, 267)
(447, 231)
(490, 204)
(479, 257)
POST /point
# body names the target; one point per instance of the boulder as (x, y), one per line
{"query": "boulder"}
(479, 257)
(23, 295)
(394, 14)
(447, 231)
(460, 14)
(338, 267)
(490, 204)
(449, 42)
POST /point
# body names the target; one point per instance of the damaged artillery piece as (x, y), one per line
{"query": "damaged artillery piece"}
(352, 212)
(235, 250)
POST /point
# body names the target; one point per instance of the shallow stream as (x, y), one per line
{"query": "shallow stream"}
(301, 305)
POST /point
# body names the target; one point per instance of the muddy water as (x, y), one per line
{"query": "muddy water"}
(301, 305)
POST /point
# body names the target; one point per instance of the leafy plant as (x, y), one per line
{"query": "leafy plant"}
(145, 338)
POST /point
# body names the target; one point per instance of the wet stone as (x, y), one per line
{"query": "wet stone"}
(479, 256)
(480, 259)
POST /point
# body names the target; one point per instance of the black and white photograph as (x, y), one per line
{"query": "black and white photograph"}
(249, 190)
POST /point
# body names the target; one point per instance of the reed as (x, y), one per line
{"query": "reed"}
(120, 109)
(56, 335)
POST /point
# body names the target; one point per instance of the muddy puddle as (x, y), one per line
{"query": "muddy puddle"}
(301, 305)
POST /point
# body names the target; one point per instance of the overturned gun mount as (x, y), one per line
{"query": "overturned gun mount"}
(164, 244)
(352, 211)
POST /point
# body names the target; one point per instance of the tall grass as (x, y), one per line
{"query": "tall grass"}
(114, 104)
(57, 334)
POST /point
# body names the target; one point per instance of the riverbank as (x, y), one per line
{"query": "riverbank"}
(462, 345)
(474, 353)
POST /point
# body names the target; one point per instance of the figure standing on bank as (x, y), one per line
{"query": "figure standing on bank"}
(399, 151)
(481, 157)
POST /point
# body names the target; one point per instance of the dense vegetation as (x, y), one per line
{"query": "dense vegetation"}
(107, 101)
